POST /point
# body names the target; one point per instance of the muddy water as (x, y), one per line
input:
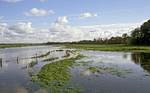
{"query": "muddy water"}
(97, 72)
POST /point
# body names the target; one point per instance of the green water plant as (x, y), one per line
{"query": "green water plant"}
(110, 70)
(56, 76)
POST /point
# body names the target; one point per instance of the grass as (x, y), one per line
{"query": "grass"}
(94, 69)
(110, 47)
(33, 63)
(51, 59)
(18, 45)
(56, 76)
(111, 70)
(12, 45)
(42, 55)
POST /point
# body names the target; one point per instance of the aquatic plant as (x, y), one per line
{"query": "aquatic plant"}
(51, 59)
(111, 70)
(33, 63)
(42, 55)
(94, 69)
(56, 75)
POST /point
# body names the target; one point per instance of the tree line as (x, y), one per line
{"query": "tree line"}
(139, 36)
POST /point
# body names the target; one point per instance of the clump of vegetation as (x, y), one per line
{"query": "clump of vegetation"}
(94, 69)
(67, 53)
(111, 70)
(56, 76)
(42, 55)
(51, 59)
(33, 63)
(60, 50)
(82, 63)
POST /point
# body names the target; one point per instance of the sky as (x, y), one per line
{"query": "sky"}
(36, 21)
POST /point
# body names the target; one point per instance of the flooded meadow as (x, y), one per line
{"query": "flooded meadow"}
(53, 69)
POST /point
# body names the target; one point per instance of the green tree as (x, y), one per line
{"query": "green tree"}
(141, 36)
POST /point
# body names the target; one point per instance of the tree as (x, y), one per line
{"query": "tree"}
(141, 36)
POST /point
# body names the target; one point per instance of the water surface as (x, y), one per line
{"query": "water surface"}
(98, 72)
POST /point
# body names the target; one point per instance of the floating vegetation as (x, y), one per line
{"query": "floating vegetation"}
(56, 76)
(82, 63)
(94, 69)
(72, 90)
(60, 50)
(42, 55)
(111, 70)
(33, 63)
(51, 59)
(67, 53)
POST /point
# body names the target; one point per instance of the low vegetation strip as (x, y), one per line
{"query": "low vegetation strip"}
(110, 47)
(18, 45)
(13, 45)
(56, 75)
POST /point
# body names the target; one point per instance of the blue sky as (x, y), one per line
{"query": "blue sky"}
(95, 12)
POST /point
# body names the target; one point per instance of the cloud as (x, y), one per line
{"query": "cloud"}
(12, 1)
(22, 32)
(64, 32)
(62, 20)
(22, 27)
(39, 12)
(3, 27)
(60, 31)
(88, 15)
(76, 33)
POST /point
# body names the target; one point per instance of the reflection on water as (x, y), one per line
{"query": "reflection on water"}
(98, 72)
(17, 66)
(143, 59)
(1, 63)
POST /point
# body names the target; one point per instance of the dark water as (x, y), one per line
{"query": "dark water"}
(114, 72)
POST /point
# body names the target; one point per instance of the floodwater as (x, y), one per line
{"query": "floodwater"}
(97, 72)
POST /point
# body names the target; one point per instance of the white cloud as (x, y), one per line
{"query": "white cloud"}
(22, 32)
(107, 31)
(62, 20)
(60, 31)
(22, 27)
(64, 32)
(39, 12)
(71, 33)
(3, 27)
(88, 15)
(12, 1)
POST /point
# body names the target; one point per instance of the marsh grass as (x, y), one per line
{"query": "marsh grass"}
(13, 45)
(50, 59)
(110, 47)
(33, 63)
(42, 55)
(110, 70)
(56, 75)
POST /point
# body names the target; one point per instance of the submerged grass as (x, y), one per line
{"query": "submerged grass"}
(42, 55)
(111, 70)
(33, 63)
(109, 47)
(51, 59)
(55, 76)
